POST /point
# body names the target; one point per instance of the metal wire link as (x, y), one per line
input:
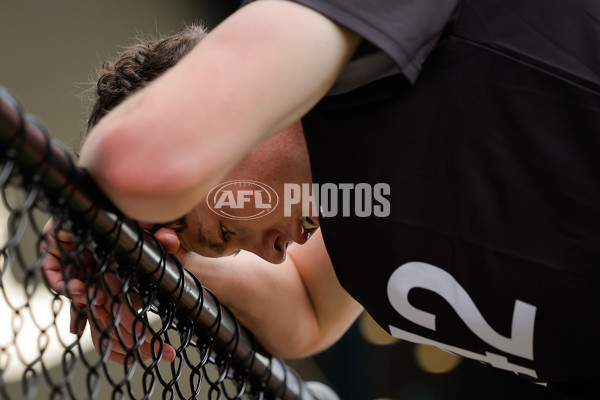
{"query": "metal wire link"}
(138, 300)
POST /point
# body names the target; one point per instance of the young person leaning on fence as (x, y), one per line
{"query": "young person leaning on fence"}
(481, 118)
(309, 289)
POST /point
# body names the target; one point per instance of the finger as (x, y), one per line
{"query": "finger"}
(58, 264)
(63, 237)
(135, 331)
(118, 315)
(74, 316)
(81, 295)
(76, 289)
(168, 353)
(86, 303)
(56, 274)
(107, 338)
(106, 345)
(78, 321)
(115, 313)
(48, 226)
(52, 229)
(98, 296)
(52, 273)
(112, 284)
(168, 239)
(121, 341)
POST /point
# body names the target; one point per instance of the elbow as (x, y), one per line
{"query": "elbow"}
(113, 170)
(110, 158)
(140, 184)
(301, 343)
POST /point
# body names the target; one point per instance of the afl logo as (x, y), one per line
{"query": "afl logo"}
(242, 199)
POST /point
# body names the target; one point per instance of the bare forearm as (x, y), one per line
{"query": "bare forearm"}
(294, 309)
(160, 151)
(267, 299)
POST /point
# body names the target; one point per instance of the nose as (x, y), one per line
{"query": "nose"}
(270, 246)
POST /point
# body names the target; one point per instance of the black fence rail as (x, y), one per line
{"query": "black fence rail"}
(42, 357)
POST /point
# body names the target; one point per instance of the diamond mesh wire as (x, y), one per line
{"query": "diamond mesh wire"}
(137, 298)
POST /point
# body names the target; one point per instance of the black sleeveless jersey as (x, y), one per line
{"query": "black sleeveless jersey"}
(491, 248)
(483, 118)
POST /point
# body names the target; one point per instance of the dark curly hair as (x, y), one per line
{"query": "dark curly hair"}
(138, 65)
(133, 69)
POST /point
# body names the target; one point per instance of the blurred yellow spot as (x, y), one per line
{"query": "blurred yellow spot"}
(434, 360)
(372, 332)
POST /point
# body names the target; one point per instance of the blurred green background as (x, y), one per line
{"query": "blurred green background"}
(49, 51)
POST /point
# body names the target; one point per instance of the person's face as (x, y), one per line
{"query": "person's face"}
(282, 159)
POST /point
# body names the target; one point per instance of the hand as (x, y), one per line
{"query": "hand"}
(66, 272)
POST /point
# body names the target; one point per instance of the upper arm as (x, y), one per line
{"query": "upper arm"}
(159, 152)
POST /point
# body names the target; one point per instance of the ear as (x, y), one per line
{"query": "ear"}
(169, 239)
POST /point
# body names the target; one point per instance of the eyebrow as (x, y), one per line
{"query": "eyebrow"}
(216, 246)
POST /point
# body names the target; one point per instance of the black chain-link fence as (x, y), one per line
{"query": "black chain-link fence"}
(137, 298)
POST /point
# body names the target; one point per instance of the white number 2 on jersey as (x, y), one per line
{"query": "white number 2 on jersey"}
(421, 275)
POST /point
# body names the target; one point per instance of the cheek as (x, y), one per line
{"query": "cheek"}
(185, 240)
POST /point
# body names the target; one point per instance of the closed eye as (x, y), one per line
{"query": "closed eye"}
(225, 233)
